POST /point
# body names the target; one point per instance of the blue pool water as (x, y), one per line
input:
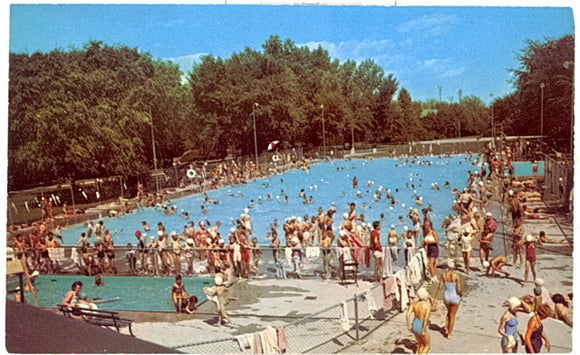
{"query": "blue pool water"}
(327, 183)
(525, 168)
(136, 294)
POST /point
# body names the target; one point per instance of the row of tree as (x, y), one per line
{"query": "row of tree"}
(95, 111)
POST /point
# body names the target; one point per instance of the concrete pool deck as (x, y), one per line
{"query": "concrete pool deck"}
(274, 302)
(269, 301)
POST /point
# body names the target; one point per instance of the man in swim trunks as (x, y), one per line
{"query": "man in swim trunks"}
(486, 238)
(517, 234)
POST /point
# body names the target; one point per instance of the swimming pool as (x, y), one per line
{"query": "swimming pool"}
(525, 168)
(327, 183)
(135, 294)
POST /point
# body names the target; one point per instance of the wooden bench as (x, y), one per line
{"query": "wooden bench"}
(103, 318)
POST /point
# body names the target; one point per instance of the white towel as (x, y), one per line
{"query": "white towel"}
(344, 317)
(372, 306)
(245, 341)
(346, 253)
(56, 254)
(312, 252)
(403, 296)
(75, 256)
(414, 271)
(269, 339)
(288, 253)
(387, 263)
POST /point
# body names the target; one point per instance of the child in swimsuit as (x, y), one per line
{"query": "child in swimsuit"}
(177, 293)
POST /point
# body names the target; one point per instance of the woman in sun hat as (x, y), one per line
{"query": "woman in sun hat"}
(508, 326)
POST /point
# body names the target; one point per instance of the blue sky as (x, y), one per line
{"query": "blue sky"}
(466, 48)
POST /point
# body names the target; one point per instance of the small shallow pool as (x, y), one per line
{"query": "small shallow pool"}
(134, 293)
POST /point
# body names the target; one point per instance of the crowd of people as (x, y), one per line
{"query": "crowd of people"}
(236, 253)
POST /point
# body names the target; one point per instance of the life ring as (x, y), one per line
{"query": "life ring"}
(191, 173)
(276, 158)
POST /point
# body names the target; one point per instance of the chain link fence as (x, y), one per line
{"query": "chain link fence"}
(327, 331)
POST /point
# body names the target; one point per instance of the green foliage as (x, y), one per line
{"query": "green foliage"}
(550, 63)
(87, 113)
(92, 112)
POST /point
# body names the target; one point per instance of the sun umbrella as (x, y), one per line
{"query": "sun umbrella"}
(272, 145)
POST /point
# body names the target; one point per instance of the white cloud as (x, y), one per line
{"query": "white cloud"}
(355, 50)
(429, 25)
(439, 68)
(186, 62)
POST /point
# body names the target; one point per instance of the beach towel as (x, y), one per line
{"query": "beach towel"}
(282, 342)
(75, 256)
(344, 322)
(345, 253)
(312, 252)
(288, 254)
(269, 340)
(414, 275)
(257, 347)
(360, 251)
(56, 254)
(389, 289)
(394, 252)
(387, 263)
(403, 295)
(410, 252)
(245, 341)
(371, 304)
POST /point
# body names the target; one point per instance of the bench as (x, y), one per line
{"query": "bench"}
(102, 318)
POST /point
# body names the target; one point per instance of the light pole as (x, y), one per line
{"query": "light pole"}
(154, 154)
(568, 65)
(352, 151)
(255, 137)
(542, 85)
(492, 124)
(323, 133)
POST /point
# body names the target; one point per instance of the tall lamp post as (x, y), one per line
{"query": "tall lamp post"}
(323, 133)
(154, 154)
(255, 137)
(567, 65)
(492, 124)
(542, 85)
